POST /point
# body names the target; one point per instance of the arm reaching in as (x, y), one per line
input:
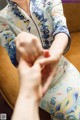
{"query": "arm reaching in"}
(30, 92)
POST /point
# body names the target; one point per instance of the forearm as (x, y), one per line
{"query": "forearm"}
(25, 109)
(59, 44)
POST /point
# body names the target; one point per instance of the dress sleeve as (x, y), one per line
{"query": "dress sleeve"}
(59, 21)
(7, 37)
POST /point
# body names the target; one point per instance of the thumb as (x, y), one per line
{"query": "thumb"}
(45, 61)
(46, 53)
(37, 66)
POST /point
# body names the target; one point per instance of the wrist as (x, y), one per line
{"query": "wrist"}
(29, 99)
(30, 94)
(25, 102)
(59, 44)
(56, 53)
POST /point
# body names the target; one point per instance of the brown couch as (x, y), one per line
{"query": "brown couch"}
(72, 13)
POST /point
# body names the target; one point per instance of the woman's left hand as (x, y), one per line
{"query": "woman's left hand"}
(50, 63)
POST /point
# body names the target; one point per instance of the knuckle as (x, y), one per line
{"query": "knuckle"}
(55, 59)
(41, 52)
(33, 40)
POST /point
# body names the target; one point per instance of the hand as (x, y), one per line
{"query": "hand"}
(28, 46)
(30, 79)
(49, 58)
(30, 92)
(31, 82)
(50, 62)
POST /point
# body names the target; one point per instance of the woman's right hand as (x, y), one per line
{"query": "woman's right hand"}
(28, 46)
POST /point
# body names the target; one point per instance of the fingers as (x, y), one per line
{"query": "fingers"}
(48, 60)
(46, 53)
(30, 54)
(37, 66)
(29, 46)
(45, 61)
(38, 46)
(33, 53)
(48, 82)
(21, 53)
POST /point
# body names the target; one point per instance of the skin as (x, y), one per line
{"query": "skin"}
(31, 83)
(28, 46)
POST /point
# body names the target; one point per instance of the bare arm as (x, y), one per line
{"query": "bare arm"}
(30, 92)
(26, 108)
(59, 45)
(61, 37)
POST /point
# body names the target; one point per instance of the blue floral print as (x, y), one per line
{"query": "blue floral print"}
(62, 99)
(45, 27)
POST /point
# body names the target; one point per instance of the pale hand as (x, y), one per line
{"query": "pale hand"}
(28, 46)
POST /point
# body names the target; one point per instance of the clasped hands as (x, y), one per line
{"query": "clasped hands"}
(37, 67)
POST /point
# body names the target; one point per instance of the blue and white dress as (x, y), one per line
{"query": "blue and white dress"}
(62, 100)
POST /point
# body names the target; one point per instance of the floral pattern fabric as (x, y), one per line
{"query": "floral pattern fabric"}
(46, 20)
(62, 99)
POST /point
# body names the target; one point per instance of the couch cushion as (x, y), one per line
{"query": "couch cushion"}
(8, 78)
(72, 13)
(3, 3)
(73, 55)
